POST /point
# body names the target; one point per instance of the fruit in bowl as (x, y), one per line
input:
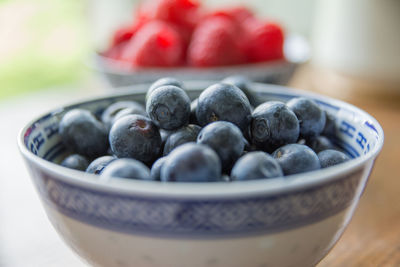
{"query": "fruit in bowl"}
(174, 35)
(238, 220)
(223, 122)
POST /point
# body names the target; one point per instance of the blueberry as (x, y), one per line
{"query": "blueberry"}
(273, 125)
(256, 165)
(98, 165)
(331, 157)
(319, 143)
(295, 158)
(165, 134)
(330, 125)
(135, 136)
(247, 146)
(192, 117)
(128, 111)
(181, 136)
(244, 153)
(311, 117)
(126, 168)
(155, 171)
(225, 178)
(192, 162)
(301, 141)
(223, 102)
(247, 132)
(244, 84)
(107, 117)
(75, 161)
(226, 139)
(162, 82)
(168, 107)
(83, 133)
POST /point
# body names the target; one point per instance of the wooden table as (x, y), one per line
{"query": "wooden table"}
(28, 239)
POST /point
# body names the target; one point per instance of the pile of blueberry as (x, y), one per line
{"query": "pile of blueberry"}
(217, 137)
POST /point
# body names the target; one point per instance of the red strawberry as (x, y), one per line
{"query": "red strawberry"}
(115, 52)
(185, 34)
(125, 33)
(243, 19)
(238, 14)
(241, 13)
(215, 43)
(155, 44)
(264, 41)
(182, 12)
(122, 34)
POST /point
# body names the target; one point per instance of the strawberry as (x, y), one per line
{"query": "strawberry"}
(238, 14)
(155, 44)
(184, 13)
(122, 35)
(264, 41)
(115, 52)
(125, 33)
(242, 17)
(241, 13)
(185, 34)
(215, 43)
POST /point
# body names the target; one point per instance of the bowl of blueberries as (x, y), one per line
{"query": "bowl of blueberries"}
(234, 173)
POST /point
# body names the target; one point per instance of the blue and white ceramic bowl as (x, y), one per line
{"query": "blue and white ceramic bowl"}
(292, 221)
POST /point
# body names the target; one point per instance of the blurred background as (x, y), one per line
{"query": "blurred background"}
(43, 45)
(46, 44)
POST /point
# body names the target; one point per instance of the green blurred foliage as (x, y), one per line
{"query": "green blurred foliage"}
(44, 44)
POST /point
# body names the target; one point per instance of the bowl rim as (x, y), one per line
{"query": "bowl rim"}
(117, 67)
(264, 187)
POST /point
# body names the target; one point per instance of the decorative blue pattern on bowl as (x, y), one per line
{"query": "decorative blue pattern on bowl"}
(199, 218)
